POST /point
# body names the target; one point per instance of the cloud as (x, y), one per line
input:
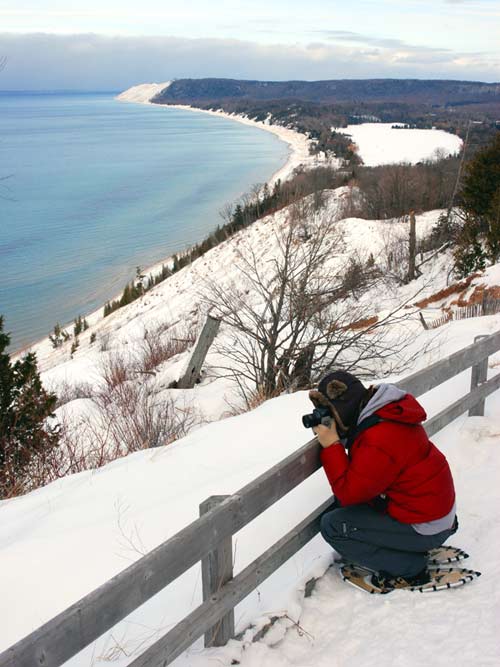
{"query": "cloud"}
(355, 37)
(96, 62)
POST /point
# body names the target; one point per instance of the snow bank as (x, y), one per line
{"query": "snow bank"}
(379, 143)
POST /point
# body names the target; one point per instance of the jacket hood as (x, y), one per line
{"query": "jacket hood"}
(390, 402)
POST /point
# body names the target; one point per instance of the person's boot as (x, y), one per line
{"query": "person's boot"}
(388, 582)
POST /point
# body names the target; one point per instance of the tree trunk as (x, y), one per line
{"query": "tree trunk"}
(413, 247)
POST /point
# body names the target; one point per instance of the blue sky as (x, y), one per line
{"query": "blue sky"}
(116, 43)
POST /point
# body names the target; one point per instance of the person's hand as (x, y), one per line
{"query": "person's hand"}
(327, 435)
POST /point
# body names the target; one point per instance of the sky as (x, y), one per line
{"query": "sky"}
(113, 44)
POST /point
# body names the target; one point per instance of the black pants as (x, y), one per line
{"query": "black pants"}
(363, 536)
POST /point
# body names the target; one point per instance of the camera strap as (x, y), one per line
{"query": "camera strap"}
(368, 422)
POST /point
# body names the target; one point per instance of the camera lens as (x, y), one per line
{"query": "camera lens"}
(308, 421)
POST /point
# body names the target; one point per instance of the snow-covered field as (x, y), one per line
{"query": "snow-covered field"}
(380, 143)
(60, 542)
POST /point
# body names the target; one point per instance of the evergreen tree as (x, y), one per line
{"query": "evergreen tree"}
(480, 201)
(238, 218)
(482, 182)
(78, 326)
(24, 408)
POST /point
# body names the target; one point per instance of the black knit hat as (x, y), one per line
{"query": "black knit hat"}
(343, 394)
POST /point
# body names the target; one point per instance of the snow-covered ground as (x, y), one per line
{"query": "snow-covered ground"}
(381, 143)
(60, 542)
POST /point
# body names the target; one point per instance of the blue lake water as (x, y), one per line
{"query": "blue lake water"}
(90, 188)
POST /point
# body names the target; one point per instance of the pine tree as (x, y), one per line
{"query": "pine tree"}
(78, 326)
(469, 253)
(480, 201)
(238, 218)
(24, 409)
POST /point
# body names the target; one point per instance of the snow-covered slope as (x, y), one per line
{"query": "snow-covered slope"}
(60, 542)
(381, 143)
(178, 301)
(143, 92)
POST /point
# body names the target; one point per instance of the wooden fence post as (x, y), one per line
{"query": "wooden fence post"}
(205, 339)
(422, 319)
(217, 570)
(412, 247)
(478, 376)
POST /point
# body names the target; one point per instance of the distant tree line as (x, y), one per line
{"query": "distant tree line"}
(316, 119)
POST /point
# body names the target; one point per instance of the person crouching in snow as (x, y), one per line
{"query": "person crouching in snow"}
(395, 498)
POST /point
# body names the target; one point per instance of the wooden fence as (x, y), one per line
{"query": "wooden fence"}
(208, 539)
(486, 307)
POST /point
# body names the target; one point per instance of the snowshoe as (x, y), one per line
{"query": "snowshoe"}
(435, 557)
(445, 554)
(428, 581)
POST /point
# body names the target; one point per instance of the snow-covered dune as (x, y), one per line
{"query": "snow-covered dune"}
(381, 143)
(143, 92)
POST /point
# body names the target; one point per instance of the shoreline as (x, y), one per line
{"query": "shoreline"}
(298, 143)
(298, 153)
(298, 147)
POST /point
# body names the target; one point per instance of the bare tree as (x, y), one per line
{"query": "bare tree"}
(293, 317)
(226, 213)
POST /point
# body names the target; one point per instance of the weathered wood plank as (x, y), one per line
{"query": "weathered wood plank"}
(430, 377)
(217, 570)
(463, 404)
(205, 339)
(479, 375)
(179, 638)
(76, 627)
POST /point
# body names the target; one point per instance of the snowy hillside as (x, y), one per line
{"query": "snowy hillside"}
(86, 528)
(63, 540)
(177, 305)
(143, 92)
(382, 143)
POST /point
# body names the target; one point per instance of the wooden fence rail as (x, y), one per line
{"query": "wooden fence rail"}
(78, 626)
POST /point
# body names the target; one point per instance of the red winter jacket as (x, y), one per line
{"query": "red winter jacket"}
(397, 459)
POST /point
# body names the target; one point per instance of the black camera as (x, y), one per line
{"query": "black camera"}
(315, 418)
